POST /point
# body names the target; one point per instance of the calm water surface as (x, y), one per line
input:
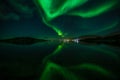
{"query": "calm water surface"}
(59, 61)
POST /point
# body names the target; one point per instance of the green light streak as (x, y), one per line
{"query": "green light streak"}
(57, 50)
(48, 7)
(107, 52)
(97, 10)
(93, 67)
(58, 31)
(53, 68)
(110, 26)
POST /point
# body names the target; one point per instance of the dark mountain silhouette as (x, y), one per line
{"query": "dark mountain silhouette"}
(111, 39)
(22, 40)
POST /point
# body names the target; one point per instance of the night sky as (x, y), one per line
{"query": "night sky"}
(62, 18)
(89, 51)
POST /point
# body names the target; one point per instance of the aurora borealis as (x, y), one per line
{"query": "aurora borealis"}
(52, 10)
(43, 24)
(42, 18)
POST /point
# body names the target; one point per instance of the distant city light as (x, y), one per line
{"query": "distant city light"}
(66, 40)
(70, 40)
(76, 40)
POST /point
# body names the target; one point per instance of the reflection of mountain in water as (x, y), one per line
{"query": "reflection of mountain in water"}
(22, 40)
(95, 63)
(112, 39)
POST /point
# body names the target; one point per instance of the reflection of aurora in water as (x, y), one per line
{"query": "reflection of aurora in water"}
(62, 61)
(53, 70)
(75, 18)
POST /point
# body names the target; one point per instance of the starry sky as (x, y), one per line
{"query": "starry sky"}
(58, 18)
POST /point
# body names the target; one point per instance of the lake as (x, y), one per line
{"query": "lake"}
(59, 61)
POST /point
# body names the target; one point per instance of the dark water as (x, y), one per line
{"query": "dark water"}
(59, 61)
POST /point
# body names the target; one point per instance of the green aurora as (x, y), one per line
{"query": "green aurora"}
(91, 19)
(53, 9)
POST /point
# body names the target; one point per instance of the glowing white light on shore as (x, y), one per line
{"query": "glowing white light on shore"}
(66, 40)
(76, 40)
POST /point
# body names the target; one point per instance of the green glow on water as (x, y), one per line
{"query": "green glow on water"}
(56, 51)
(93, 67)
(52, 68)
(66, 72)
